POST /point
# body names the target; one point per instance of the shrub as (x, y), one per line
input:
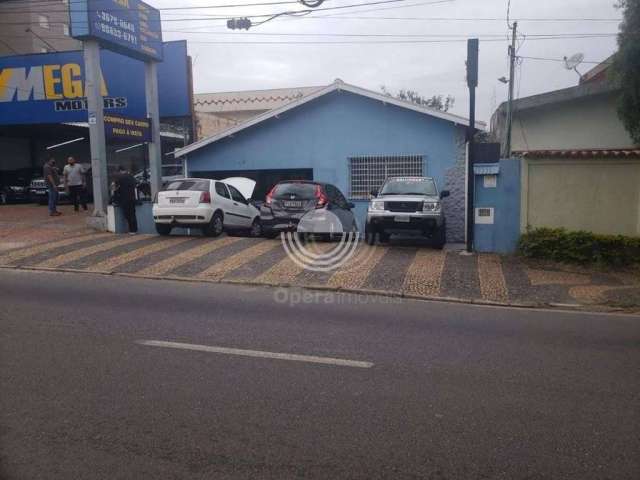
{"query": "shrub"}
(579, 247)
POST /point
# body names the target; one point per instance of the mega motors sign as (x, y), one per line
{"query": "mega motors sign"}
(129, 26)
(50, 87)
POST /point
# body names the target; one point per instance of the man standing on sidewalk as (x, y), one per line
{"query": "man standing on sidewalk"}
(126, 192)
(51, 178)
(74, 183)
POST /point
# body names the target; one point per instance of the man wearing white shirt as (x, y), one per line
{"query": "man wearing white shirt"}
(74, 183)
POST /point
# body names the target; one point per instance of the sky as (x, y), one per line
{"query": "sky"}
(429, 58)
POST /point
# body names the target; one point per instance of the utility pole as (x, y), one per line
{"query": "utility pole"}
(512, 64)
(472, 82)
(95, 108)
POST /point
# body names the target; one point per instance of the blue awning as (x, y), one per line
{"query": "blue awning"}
(486, 168)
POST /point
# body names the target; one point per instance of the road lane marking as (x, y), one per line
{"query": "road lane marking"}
(81, 253)
(258, 354)
(111, 263)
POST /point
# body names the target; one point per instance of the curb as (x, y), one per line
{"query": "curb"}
(321, 288)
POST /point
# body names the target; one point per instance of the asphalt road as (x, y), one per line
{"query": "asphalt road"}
(437, 390)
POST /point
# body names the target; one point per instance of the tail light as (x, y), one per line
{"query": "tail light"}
(269, 199)
(205, 197)
(321, 198)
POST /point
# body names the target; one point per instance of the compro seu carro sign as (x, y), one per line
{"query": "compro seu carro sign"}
(50, 87)
(130, 27)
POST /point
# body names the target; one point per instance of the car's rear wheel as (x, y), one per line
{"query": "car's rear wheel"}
(163, 229)
(256, 228)
(215, 227)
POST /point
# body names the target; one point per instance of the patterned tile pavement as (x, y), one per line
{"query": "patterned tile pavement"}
(398, 268)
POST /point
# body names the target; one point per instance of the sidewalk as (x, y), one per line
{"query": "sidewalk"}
(29, 238)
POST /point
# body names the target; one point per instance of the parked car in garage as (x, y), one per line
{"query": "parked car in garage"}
(306, 207)
(211, 205)
(407, 205)
(15, 192)
(38, 192)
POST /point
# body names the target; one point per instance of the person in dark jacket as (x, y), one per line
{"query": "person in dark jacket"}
(126, 189)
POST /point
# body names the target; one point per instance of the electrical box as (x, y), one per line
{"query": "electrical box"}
(484, 216)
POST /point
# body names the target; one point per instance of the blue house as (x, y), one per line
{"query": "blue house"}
(344, 135)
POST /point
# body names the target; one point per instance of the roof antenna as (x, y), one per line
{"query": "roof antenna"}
(572, 63)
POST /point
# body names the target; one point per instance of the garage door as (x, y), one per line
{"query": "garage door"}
(598, 195)
(265, 179)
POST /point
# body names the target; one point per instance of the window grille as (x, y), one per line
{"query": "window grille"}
(369, 172)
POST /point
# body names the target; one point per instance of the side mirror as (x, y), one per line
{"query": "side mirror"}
(350, 205)
(444, 193)
(374, 192)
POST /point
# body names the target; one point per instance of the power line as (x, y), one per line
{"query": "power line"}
(293, 12)
(162, 9)
(562, 60)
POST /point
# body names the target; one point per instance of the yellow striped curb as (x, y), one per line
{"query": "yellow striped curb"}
(187, 256)
(493, 286)
(87, 251)
(286, 270)
(355, 272)
(424, 275)
(23, 253)
(220, 269)
(112, 263)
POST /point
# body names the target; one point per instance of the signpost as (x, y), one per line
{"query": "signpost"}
(133, 28)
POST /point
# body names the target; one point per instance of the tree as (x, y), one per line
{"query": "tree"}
(436, 101)
(626, 67)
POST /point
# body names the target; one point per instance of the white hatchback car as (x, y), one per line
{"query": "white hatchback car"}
(211, 205)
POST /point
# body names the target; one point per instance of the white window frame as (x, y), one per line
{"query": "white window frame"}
(368, 172)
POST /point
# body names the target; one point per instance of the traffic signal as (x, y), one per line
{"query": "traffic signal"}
(239, 23)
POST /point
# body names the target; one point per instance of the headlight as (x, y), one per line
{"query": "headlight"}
(431, 207)
(376, 205)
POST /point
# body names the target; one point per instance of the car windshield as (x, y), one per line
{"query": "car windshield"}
(409, 186)
(197, 185)
(299, 190)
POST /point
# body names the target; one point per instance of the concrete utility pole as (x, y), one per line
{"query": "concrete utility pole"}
(472, 82)
(95, 107)
(155, 148)
(512, 63)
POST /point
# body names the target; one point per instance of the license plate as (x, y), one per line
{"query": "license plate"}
(177, 200)
(292, 204)
(402, 219)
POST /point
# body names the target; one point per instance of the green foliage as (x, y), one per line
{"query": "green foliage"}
(438, 102)
(582, 247)
(626, 67)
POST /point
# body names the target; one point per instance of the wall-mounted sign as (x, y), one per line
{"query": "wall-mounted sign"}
(50, 87)
(117, 127)
(129, 26)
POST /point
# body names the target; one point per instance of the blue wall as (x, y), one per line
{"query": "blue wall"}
(503, 235)
(325, 132)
